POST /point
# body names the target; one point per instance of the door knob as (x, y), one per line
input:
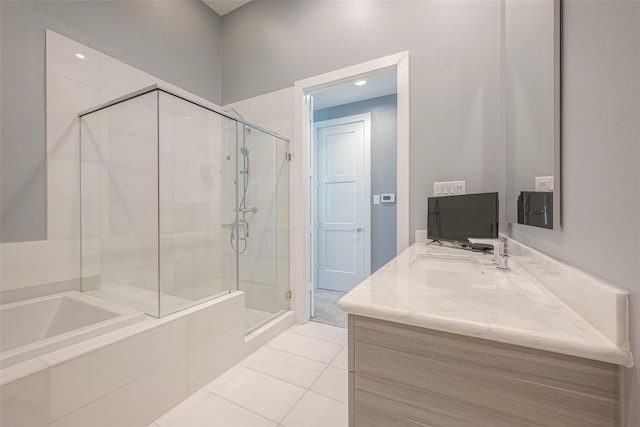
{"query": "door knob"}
(359, 229)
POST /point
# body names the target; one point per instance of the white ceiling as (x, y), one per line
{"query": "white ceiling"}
(222, 7)
(346, 93)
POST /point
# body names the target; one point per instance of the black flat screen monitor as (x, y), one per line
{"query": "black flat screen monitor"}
(455, 218)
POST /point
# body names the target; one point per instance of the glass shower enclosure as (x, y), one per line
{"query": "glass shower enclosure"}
(181, 203)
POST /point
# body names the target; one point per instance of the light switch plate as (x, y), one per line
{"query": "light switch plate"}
(376, 199)
(449, 188)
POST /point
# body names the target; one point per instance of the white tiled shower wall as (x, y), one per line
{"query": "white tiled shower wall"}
(75, 84)
(31, 269)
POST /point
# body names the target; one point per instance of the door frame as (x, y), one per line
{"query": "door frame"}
(300, 185)
(366, 189)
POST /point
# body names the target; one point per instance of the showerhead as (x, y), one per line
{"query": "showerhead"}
(244, 151)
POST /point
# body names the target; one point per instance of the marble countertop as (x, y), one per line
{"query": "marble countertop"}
(504, 306)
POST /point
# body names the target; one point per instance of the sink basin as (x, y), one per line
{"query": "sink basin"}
(450, 263)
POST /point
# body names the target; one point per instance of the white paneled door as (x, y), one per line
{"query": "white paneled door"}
(343, 197)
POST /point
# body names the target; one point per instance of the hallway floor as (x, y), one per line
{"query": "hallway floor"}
(326, 308)
(298, 379)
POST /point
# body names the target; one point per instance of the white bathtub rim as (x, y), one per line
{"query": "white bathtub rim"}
(21, 370)
(108, 305)
(71, 338)
(64, 355)
(124, 316)
(58, 357)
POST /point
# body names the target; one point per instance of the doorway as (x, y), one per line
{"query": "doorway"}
(354, 233)
(343, 190)
(342, 176)
(304, 242)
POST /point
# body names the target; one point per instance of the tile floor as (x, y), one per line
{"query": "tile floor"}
(298, 379)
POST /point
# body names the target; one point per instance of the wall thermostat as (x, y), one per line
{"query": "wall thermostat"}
(388, 198)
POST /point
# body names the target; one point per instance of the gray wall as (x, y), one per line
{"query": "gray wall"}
(383, 169)
(455, 77)
(176, 41)
(601, 158)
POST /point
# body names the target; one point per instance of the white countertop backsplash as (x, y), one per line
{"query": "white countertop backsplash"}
(522, 306)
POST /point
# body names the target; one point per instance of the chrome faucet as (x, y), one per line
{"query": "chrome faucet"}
(500, 258)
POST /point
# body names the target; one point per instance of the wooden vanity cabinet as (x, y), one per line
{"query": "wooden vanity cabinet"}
(403, 375)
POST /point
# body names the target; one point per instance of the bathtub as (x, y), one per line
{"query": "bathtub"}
(166, 359)
(34, 327)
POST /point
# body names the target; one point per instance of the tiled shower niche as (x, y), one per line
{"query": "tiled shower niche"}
(180, 204)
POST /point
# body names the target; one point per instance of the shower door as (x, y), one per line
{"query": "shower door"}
(260, 238)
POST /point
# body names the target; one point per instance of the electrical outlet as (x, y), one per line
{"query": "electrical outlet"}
(544, 183)
(449, 188)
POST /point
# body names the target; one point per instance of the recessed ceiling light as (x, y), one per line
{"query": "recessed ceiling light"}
(360, 83)
(187, 117)
(79, 55)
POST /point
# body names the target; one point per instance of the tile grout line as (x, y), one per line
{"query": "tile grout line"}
(308, 358)
(322, 394)
(294, 405)
(316, 380)
(327, 366)
(303, 394)
(315, 338)
(110, 392)
(343, 346)
(278, 378)
(336, 356)
(243, 407)
(307, 389)
(328, 397)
